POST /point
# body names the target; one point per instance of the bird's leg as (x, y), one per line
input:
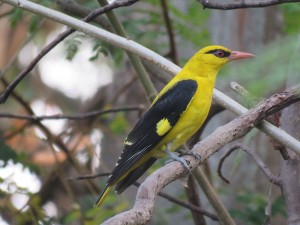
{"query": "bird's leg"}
(183, 152)
(175, 157)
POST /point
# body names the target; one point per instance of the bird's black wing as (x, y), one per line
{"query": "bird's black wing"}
(144, 137)
(133, 176)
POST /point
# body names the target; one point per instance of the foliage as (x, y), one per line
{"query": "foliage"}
(291, 14)
(72, 46)
(16, 16)
(251, 209)
(9, 154)
(144, 24)
(119, 124)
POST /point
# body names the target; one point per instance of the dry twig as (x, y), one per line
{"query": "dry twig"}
(224, 5)
(81, 116)
(273, 179)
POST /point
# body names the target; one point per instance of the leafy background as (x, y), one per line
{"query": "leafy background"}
(60, 200)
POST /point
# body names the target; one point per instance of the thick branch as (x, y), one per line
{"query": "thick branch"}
(282, 137)
(224, 5)
(144, 204)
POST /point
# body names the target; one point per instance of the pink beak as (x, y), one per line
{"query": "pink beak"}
(240, 55)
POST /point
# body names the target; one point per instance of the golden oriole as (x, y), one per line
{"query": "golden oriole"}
(175, 115)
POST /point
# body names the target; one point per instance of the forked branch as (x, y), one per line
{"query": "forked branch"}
(237, 128)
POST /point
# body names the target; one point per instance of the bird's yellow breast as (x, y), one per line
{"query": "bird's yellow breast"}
(192, 118)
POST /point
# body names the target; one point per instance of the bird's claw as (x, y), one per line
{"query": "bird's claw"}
(186, 152)
(175, 157)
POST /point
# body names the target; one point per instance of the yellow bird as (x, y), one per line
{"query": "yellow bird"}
(177, 112)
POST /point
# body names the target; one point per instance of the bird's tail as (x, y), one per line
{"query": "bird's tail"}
(102, 196)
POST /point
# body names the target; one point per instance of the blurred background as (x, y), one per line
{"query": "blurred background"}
(41, 159)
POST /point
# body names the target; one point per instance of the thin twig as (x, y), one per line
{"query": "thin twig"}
(184, 204)
(56, 41)
(86, 177)
(213, 197)
(192, 193)
(124, 88)
(244, 93)
(134, 59)
(6, 13)
(188, 206)
(273, 179)
(11, 134)
(173, 52)
(161, 194)
(242, 4)
(220, 165)
(50, 137)
(14, 58)
(274, 118)
(69, 117)
(75, 9)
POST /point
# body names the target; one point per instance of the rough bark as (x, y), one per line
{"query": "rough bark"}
(290, 168)
(145, 201)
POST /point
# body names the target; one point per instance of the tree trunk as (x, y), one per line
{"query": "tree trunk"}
(290, 168)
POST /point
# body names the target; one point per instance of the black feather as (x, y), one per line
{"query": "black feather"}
(143, 137)
(133, 176)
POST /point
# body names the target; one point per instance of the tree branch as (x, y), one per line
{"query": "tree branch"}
(192, 193)
(273, 179)
(73, 8)
(224, 5)
(35, 8)
(68, 117)
(192, 207)
(237, 128)
(282, 137)
(213, 197)
(173, 52)
(168, 197)
(134, 59)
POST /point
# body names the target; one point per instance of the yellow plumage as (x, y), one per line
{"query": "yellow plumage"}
(177, 112)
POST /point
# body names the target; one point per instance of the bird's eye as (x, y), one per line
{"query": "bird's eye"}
(219, 53)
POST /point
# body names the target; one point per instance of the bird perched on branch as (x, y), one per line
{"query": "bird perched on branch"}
(177, 112)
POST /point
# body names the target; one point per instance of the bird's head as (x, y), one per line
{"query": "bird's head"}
(216, 56)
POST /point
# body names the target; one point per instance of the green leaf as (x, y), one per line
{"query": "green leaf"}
(7, 153)
(16, 16)
(34, 23)
(119, 124)
(98, 49)
(72, 47)
(71, 217)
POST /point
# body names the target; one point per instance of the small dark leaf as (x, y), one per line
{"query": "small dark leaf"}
(16, 16)
(72, 46)
(98, 48)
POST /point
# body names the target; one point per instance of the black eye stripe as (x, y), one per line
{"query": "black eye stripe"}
(214, 51)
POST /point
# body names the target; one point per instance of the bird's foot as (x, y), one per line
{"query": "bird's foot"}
(175, 157)
(183, 152)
